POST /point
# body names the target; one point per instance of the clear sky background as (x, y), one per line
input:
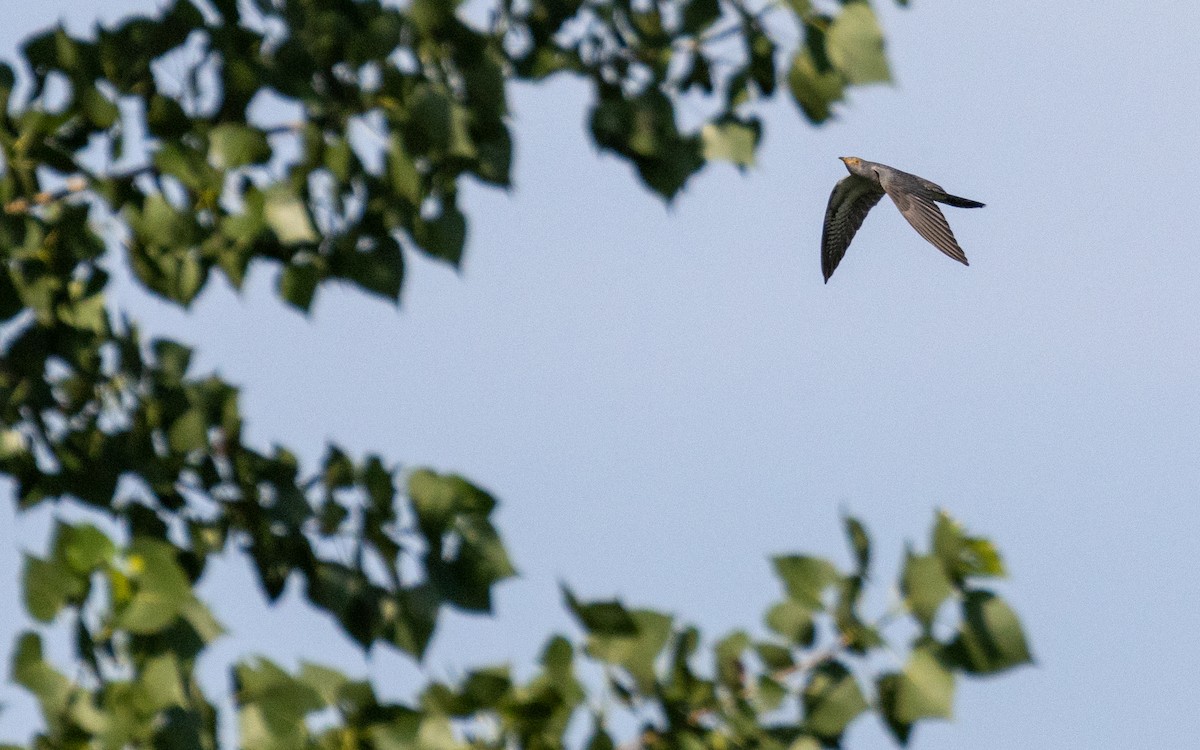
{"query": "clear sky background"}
(662, 398)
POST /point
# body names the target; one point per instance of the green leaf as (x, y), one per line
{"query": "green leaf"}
(438, 498)
(444, 236)
(761, 54)
(814, 89)
(962, 555)
(990, 638)
(855, 45)
(49, 585)
(481, 562)
(436, 733)
(205, 625)
(773, 656)
(858, 636)
(925, 586)
(13, 445)
(728, 653)
(189, 166)
(298, 284)
(165, 118)
(402, 172)
(770, 694)
(805, 578)
(793, 621)
(162, 683)
(162, 225)
(327, 682)
(636, 653)
(860, 543)
(8, 79)
(731, 140)
(429, 121)
(172, 360)
(10, 300)
(832, 699)
(162, 589)
(924, 690)
(288, 217)
(399, 733)
(97, 108)
(609, 618)
(340, 159)
(189, 431)
(926, 687)
(887, 686)
(272, 706)
(39, 677)
(232, 145)
(698, 15)
(379, 268)
(800, 7)
(84, 547)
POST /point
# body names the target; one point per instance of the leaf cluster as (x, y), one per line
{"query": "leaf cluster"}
(171, 124)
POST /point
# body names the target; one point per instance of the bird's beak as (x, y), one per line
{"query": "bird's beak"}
(843, 159)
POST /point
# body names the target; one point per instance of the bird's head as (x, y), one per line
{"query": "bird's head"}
(853, 164)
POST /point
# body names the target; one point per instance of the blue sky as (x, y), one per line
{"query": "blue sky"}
(662, 398)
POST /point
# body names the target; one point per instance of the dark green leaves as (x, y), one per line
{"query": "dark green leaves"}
(990, 638)
(232, 145)
(962, 555)
(832, 699)
(805, 578)
(63, 578)
(273, 706)
(218, 190)
(839, 51)
(699, 15)
(48, 587)
(606, 618)
(860, 543)
(443, 236)
(642, 128)
(792, 621)
(924, 690)
(628, 638)
(454, 514)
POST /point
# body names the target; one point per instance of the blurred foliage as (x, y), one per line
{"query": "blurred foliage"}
(801, 685)
(324, 136)
(327, 138)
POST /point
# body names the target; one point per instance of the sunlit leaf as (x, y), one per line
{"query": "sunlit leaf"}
(855, 45)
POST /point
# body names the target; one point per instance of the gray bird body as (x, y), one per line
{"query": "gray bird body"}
(916, 197)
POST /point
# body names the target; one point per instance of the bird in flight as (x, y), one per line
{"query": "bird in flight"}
(915, 196)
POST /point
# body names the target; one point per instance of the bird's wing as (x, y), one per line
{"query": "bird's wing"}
(849, 203)
(925, 217)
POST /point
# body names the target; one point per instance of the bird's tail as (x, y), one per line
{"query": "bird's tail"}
(954, 200)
